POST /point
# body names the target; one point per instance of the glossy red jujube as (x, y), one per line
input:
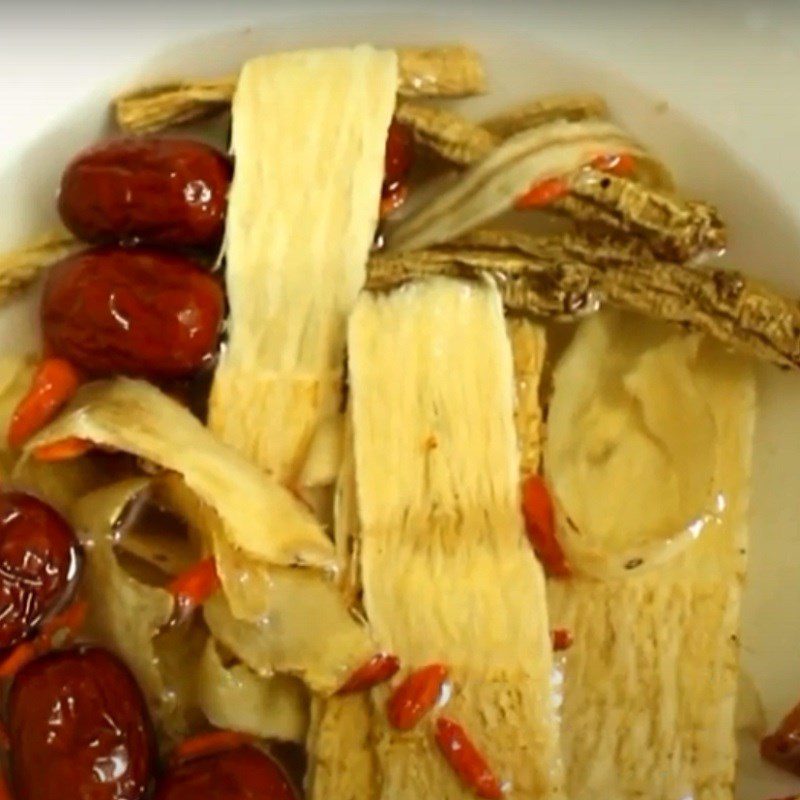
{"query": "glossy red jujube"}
(38, 565)
(79, 729)
(161, 191)
(399, 157)
(132, 311)
(240, 774)
(398, 160)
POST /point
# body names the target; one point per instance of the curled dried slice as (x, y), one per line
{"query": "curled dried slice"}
(258, 516)
(741, 313)
(236, 698)
(630, 449)
(125, 614)
(491, 186)
(448, 71)
(22, 266)
(447, 133)
(306, 630)
(572, 107)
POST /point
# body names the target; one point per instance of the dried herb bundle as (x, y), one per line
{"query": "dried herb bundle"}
(449, 71)
(675, 229)
(550, 278)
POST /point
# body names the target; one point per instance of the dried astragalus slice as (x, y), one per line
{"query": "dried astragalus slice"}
(447, 133)
(306, 630)
(236, 698)
(437, 473)
(674, 229)
(741, 313)
(155, 107)
(22, 266)
(258, 516)
(650, 681)
(491, 186)
(541, 110)
(446, 71)
(290, 619)
(302, 216)
(125, 614)
(528, 349)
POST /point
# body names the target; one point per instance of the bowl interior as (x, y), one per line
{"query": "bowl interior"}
(765, 241)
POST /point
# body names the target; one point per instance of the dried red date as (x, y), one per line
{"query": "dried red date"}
(38, 565)
(398, 160)
(399, 156)
(79, 729)
(136, 312)
(240, 774)
(160, 191)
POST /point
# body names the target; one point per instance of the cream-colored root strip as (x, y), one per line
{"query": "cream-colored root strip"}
(309, 134)
(432, 397)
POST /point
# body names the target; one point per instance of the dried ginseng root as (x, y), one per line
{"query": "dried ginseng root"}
(674, 229)
(740, 313)
(448, 71)
(450, 135)
(21, 267)
(572, 107)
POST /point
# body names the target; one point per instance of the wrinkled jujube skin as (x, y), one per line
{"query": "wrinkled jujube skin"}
(79, 729)
(38, 565)
(137, 312)
(153, 190)
(240, 774)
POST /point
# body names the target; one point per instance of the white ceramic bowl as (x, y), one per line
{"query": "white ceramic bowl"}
(740, 180)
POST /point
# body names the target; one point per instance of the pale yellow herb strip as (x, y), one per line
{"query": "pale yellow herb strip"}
(528, 349)
(572, 107)
(742, 314)
(443, 529)
(21, 267)
(291, 288)
(449, 71)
